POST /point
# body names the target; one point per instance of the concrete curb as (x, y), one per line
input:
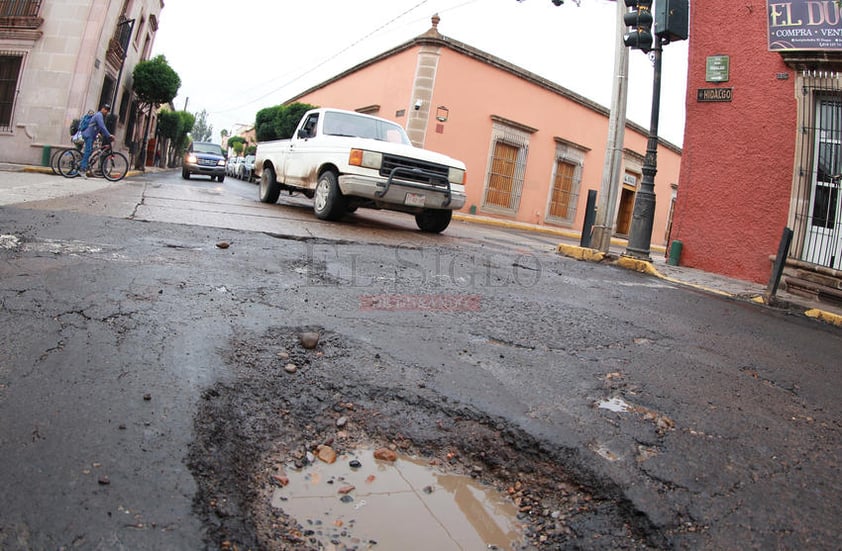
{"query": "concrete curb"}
(642, 266)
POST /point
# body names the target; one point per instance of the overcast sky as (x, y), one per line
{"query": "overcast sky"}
(236, 57)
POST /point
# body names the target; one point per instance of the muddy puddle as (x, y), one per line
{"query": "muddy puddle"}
(360, 502)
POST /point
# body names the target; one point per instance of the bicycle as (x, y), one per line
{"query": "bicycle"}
(54, 158)
(112, 165)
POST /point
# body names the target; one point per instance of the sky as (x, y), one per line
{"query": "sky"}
(236, 57)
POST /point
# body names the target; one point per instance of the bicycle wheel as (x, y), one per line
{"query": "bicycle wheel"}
(114, 166)
(54, 160)
(69, 162)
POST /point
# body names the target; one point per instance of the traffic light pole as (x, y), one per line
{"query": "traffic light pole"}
(643, 216)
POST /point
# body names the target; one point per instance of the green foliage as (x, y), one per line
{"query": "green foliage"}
(202, 131)
(279, 122)
(233, 141)
(251, 150)
(187, 122)
(169, 124)
(154, 81)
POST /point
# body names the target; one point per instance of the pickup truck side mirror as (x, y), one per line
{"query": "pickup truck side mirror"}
(303, 134)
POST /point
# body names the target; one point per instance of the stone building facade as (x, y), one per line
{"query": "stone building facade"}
(60, 58)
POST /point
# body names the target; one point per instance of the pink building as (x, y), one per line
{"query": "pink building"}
(763, 141)
(533, 148)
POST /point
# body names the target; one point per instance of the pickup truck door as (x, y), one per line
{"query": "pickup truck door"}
(303, 156)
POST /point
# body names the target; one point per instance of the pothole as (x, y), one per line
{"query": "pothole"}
(264, 426)
(361, 502)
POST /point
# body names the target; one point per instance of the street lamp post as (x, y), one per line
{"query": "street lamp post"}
(643, 216)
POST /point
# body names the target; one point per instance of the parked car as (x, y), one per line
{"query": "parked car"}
(231, 167)
(246, 168)
(204, 158)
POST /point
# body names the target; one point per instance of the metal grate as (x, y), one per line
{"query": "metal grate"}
(20, 8)
(10, 64)
(391, 162)
(817, 209)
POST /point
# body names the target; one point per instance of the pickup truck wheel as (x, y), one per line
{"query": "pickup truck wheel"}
(328, 202)
(270, 190)
(433, 220)
(185, 174)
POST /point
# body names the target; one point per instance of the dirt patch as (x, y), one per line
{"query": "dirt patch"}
(286, 399)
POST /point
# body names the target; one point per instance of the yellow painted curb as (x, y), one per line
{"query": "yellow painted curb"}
(637, 265)
(580, 253)
(828, 317)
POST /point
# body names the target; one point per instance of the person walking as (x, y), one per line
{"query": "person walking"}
(95, 126)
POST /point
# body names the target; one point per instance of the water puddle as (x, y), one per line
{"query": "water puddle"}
(360, 502)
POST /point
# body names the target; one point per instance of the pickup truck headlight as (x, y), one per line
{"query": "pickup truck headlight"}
(191, 159)
(456, 175)
(220, 162)
(365, 159)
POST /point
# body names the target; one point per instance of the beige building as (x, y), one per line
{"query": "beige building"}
(59, 58)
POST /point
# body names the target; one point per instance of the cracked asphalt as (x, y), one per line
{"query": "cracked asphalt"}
(117, 331)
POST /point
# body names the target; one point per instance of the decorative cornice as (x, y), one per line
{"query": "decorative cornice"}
(20, 34)
(513, 124)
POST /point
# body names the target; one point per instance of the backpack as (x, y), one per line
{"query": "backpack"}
(83, 124)
(74, 126)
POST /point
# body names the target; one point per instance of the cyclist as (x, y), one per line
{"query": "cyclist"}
(95, 126)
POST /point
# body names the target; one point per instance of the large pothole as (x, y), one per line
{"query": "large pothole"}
(269, 421)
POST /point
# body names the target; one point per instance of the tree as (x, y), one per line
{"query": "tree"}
(169, 127)
(154, 83)
(202, 131)
(279, 122)
(237, 143)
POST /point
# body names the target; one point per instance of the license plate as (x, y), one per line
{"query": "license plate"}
(415, 199)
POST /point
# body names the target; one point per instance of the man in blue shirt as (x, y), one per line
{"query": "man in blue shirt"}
(95, 126)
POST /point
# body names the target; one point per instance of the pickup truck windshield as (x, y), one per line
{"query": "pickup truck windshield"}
(207, 148)
(348, 124)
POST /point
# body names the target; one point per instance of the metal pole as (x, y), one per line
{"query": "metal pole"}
(612, 166)
(643, 216)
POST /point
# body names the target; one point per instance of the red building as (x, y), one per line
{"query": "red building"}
(762, 140)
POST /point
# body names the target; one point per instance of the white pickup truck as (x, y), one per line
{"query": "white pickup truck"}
(345, 160)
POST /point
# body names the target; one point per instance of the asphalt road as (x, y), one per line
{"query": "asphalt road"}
(119, 310)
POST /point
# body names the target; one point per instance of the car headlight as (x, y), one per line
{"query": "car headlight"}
(456, 175)
(220, 162)
(365, 159)
(191, 159)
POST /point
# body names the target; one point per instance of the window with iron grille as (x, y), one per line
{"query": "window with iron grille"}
(567, 177)
(10, 64)
(19, 8)
(506, 168)
(816, 205)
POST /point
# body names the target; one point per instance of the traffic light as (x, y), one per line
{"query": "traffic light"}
(639, 21)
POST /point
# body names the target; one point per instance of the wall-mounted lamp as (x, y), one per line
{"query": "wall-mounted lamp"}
(441, 113)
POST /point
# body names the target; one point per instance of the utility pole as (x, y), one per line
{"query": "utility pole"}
(610, 188)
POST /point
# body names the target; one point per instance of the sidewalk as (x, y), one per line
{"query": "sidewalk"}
(569, 246)
(658, 267)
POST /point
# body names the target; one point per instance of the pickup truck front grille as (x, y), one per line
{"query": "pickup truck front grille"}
(390, 162)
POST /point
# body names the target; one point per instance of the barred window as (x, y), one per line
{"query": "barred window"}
(19, 8)
(10, 64)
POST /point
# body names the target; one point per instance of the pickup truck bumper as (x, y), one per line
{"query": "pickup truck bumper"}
(404, 194)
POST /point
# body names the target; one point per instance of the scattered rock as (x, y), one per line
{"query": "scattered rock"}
(326, 454)
(309, 339)
(280, 480)
(346, 499)
(342, 421)
(147, 396)
(223, 244)
(385, 454)
(283, 354)
(346, 489)
(355, 464)
(290, 368)
(104, 480)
